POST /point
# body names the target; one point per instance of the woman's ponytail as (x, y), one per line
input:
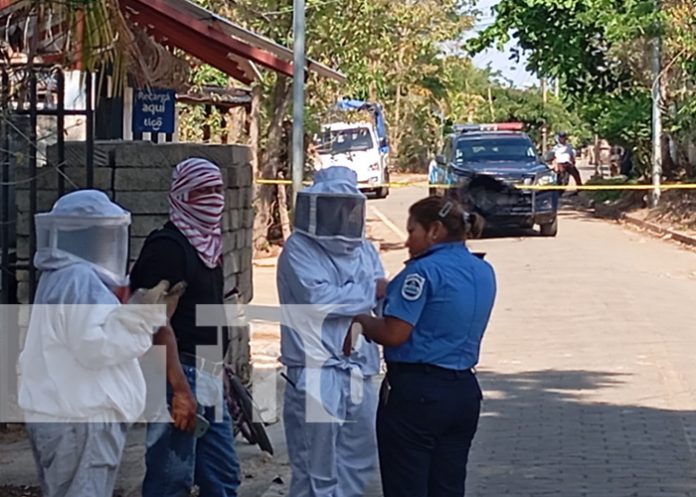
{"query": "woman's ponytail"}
(475, 225)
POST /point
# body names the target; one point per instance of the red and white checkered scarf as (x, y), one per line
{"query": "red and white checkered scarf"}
(199, 219)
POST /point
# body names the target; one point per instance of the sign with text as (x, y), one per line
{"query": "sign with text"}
(153, 110)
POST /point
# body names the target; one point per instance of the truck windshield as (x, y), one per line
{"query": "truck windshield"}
(340, 141)
(494, 149)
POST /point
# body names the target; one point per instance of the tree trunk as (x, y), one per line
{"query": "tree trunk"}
(283, 210)
(270, 162)
(254, 130)
(396, 135)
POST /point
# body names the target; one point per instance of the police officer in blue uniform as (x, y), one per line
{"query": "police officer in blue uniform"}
(435, 314)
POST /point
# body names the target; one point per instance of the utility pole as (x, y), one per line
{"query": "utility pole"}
(544, 129)
(656, 115)
(557, 90)
(298, 159)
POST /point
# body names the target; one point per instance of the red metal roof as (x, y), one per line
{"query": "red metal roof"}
(214, 39)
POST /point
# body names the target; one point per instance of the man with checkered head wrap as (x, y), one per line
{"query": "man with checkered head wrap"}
(189, 248)
(195, 207)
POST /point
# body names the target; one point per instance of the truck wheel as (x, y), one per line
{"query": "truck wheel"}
(383, 192)
(550, 229)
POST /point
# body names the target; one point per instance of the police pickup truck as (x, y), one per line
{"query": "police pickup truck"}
(487, 166)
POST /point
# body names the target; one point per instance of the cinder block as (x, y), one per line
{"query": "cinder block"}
(23, 247)
(232, 263)
(142, 180)
(141, 155)
(234, 219)
(230, 281)
(23, 292)
(44, 201)
(143, 225)
(229, 241)
(75, 178)
(248, 218)
(247, 197)
(245, 259)
(22, 225)
(173, 153)
(152, 203)
(245, 287)
(239, 176)
(248, 254)
(233, 198)
(240, 239)
(76, 153)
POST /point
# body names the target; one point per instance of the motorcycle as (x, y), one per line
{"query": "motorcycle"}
(558, 162)
(245, 415)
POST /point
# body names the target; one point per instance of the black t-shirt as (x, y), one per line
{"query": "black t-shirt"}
(173, 258)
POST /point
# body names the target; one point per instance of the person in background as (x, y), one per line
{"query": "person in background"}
(435, 314)
(80, 381)
(327, 273)
(189, 248)
(565, 157)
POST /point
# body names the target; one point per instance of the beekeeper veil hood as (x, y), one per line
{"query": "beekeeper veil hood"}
(332, 210)
(84, 226)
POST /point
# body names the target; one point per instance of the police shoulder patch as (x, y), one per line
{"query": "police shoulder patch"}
(413, 286)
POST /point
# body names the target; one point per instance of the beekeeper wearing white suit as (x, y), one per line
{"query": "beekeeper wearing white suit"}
(80, 380)
(327, 272)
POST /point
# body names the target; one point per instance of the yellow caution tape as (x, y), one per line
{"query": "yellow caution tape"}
(263, 181)
(397, 184)
(402, 184)
(668, 186)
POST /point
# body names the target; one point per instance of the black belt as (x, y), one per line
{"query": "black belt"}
(429, 369)
(202, 364)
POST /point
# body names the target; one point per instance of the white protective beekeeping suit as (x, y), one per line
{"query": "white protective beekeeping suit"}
(80, 380)
(82, 247)
(327, 274)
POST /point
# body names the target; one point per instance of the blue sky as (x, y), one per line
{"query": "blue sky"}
(499, 60)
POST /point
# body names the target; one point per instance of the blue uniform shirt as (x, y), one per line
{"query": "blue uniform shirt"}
(447, 295)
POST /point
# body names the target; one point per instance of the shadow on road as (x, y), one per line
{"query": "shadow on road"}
(541, 434)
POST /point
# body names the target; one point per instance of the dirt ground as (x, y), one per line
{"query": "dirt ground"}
(677, 210)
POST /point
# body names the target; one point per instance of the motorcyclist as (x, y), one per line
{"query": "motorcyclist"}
(564, 158)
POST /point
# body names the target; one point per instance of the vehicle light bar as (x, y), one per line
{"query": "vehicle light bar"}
(468, 128)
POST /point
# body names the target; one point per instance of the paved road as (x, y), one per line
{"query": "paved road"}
(587, 366)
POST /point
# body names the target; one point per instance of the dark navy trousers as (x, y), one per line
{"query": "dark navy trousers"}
(425, 425)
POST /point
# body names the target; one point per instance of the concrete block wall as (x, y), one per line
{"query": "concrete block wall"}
(137, 175)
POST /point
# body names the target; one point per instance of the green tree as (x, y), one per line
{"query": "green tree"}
(600, 51)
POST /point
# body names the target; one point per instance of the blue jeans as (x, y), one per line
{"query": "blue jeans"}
(175, 460)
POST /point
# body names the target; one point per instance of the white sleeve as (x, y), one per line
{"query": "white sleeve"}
(298, 272)
(105, 334)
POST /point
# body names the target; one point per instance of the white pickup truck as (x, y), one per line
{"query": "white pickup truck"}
(360, 143)
(355, 145)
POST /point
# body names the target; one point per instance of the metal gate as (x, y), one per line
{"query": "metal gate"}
(29, 93)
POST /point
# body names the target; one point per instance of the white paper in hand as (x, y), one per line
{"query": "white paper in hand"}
(356, 330)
